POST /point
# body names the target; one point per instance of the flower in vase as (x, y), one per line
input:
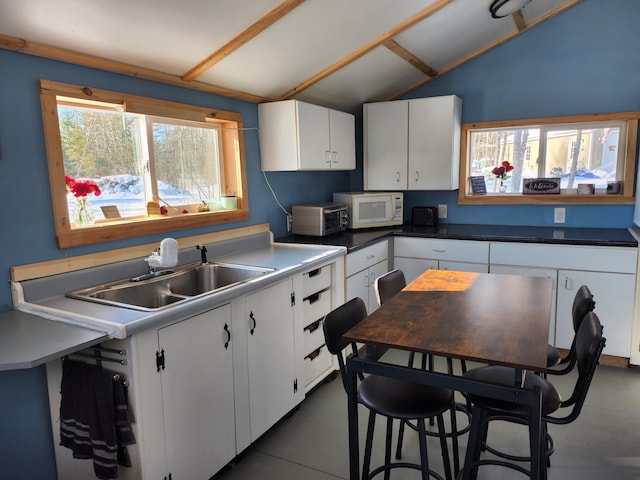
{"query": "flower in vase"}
(81, 188)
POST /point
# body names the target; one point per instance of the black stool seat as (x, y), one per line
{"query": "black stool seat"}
(553, 356)
(403, 400)
(504, 376)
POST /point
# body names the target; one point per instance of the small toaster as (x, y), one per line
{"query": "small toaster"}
(424, 216)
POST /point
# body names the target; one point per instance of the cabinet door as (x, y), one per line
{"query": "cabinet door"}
(342, 132)
(613, 294)
(357, 285)
(270, 356)
(314, 150)
(385, 146)
(536, 272)
(197, 394)
(376, 271)
(434, 139)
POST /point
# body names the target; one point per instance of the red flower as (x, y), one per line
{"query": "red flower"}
(81, 187)
(502, 170)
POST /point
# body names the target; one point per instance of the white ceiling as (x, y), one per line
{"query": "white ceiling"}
(172, 37)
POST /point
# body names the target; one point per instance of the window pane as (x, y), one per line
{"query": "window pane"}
(584, 155)
(490, 148)
(103, 145)
(187, 163)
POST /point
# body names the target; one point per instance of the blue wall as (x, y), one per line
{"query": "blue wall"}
(582, 61)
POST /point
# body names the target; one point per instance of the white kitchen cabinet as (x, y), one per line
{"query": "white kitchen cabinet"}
(362, 268)
(296, 135)
(609, 272)
(415, 255)
(197, 394)
(181, 400)
(412, 144)
(271, 359)
(613, 294)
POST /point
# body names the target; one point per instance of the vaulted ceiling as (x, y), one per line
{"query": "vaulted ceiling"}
(335, 53)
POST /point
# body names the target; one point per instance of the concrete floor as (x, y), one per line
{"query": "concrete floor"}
(311, 444)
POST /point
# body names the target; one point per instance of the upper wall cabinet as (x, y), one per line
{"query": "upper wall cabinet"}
(299, 136)
(412, 144)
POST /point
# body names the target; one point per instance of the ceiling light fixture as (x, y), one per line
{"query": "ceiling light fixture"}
(504, 8)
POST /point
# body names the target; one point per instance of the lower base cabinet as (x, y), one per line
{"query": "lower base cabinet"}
(197, 394)
(202, 389)
(613, 294)
(273, 387)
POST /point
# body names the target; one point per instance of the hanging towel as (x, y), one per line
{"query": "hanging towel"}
(94, 420)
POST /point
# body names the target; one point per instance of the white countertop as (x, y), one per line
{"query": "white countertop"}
(29, 335)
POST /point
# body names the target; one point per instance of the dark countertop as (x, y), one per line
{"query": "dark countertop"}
(356, 239)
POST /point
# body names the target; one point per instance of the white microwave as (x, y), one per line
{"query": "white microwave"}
(375, 209)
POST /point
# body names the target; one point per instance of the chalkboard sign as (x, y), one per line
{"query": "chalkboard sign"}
(478, 186)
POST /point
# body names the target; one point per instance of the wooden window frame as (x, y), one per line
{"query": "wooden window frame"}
(235, 172)
(465, 196)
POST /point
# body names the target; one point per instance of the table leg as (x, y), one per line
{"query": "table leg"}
(352, 415)
(538, 469)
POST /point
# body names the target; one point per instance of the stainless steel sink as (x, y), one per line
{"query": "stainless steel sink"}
(184, 283)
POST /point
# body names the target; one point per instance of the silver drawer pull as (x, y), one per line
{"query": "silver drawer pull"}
(439, 250)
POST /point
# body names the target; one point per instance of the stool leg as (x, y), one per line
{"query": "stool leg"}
(400, 438)
(454, 438)
(445, 449)
(422, 443)
(387, 449)
(366, 463)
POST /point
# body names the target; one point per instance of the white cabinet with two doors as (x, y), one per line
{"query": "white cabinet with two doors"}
(609, 272)
(412, 144)
(296, 135)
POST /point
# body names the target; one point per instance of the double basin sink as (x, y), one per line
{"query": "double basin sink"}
(169, 288)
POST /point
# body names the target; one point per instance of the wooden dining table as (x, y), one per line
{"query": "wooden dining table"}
(486, 318)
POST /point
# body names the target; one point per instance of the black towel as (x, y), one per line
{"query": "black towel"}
(94, 419)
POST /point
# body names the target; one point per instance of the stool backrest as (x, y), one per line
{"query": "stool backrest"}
(388, 285)
(589, 346)
(583, 303)
(337, 323)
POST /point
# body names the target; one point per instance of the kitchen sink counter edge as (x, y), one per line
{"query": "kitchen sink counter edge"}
(120, 322)
(354, 240)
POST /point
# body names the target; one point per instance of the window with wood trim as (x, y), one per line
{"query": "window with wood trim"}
(580, 159)
(135, 166)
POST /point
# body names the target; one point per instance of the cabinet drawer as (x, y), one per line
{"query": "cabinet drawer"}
(573, 257)
(362, 259)
(313, 337)
(316, 280)
(316, 363)
(316, 306)
(440, 249)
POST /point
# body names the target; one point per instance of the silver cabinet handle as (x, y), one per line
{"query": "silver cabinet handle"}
(398, 176)
(439, 250)
(327, 156)
(417, 175)
(334, 157)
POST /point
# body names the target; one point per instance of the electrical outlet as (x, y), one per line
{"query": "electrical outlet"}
(442, 211)
(289, 222)
(559, 215)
